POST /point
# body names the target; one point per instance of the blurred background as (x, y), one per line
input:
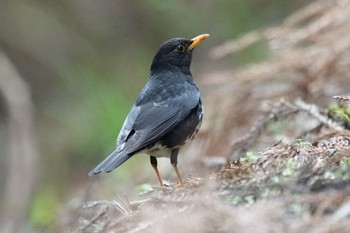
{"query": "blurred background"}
(70, 71)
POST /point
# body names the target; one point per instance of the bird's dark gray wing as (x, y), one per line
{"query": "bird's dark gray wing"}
(160, 107)
(162, 104)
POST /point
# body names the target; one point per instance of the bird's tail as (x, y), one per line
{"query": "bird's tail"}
(114, 160)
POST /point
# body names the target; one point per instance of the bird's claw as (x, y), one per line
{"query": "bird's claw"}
(179, 185)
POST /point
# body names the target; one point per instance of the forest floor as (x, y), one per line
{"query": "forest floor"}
(303, 186)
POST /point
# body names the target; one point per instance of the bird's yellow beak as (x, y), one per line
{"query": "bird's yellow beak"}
(197, 40)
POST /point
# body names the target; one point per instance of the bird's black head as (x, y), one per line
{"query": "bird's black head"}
(176, 53)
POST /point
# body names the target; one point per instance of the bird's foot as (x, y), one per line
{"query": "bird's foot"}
(166, 186)
(169, 187)
(179, 185)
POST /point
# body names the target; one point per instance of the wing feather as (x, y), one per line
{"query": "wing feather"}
(160, 107)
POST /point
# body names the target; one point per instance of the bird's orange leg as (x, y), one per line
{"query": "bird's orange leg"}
(173, 161)
(154, 165)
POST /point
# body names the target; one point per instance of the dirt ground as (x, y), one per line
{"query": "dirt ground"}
(275, 142)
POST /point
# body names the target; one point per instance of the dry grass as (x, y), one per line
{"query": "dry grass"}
(287, 151)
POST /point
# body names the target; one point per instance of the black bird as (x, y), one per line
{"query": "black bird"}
(167, 113)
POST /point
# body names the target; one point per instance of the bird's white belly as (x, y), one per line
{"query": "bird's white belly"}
(158, 150)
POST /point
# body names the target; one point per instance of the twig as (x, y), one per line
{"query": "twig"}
(124, 205)
(342, 98)
(314, 111)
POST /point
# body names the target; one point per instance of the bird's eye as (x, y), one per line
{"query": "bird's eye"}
(181, 48)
